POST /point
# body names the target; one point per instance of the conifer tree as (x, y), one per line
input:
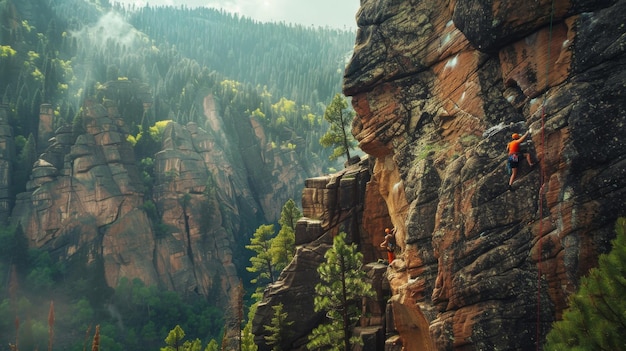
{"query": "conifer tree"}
(340, 290)
(283, 245)
(279, 329)
(289, 215)
(212, 346)
(262, 265)
(247, 338)
(338, 135)
(174, 339)
(282, 248)
(596, 317)
(273, 253)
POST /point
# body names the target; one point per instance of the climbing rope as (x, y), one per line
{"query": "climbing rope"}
(542, 179)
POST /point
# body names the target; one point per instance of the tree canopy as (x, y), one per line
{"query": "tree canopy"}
(342, 286)
(596, 317)
(338, 135)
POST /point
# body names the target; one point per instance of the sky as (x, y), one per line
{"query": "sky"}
(333, 13)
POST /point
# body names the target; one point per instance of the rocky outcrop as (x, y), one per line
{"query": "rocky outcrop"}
(83, 201)
(331, 204)
(438, 88)
(180, 227)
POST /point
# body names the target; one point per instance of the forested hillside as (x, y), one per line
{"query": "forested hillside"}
(59, 58)
(299, 63)
(60, 52)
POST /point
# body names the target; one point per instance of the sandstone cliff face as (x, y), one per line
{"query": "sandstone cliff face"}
(438, 88)
(330, 204)
(86, 203)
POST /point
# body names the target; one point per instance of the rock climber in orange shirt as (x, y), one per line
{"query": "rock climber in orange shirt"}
(515, 153)
(390, 244)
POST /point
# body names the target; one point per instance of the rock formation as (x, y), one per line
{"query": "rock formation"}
(87, 204)
(439, 87)
(330, 204)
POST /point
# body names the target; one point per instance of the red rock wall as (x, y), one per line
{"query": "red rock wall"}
(438, 88)
(86, 203)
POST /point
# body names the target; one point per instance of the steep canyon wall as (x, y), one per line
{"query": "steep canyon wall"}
(439, 87)
(179, 226)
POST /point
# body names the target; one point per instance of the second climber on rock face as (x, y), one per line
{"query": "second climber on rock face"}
(515, 152)
(390, 244)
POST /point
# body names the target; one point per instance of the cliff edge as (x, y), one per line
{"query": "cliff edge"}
(439, 87)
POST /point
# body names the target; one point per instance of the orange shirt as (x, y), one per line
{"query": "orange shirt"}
(514, 146)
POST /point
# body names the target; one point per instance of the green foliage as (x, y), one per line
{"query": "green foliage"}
(148, 142)
(338, 135)
(283, 245)
(156, 131)
(43, 270)
(596, 317)
(278, 329)
(282, 248)
(212, 346)
(45, 59)
(273, 252)
(153, 311)
(6, 51)
(247, 338)
(289, 215)
(77, 125)
(261, 243)
(174, 341)
(340, 290)
(13, 247)
(146, 166)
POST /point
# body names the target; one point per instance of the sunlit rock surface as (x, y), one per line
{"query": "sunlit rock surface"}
(88, 203)
(438, 88)
(331, 204)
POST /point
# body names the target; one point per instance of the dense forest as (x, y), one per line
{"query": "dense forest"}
(64, 52)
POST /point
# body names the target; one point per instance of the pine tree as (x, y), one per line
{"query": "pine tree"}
(212, 346)
(279, 329)
(262, 265)
(340, 290)
(273, 253)
(174, 339)
(338, 135)
(289, 215)
(596, 317)
(282, 248)
(247, 338)
(283, 245)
